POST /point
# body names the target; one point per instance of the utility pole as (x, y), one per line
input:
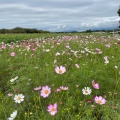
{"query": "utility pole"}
(113, 32)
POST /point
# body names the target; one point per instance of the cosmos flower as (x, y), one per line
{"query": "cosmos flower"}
(46, 90)
(63, 88)
(107, 45)
(47, 50)
(13, 115)
(37, 88)
(19, 98)
(118, 42)
(52, 109)
(16, 91)
(100, 52)
(89, 101)
(3, 46)
(55, 61)
(60, 70)
(57, 53)
(12, 80)
(9, 94)
(58, 90)
(77, 65)
(100, 100)
(95, 85)
(116, 67)
(86, 91)
(12, 54)
(106, 60)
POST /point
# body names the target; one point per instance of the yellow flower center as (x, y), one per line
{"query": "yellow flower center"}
(46, 91)
(86, 91)
(99, 101)
(19, 98)
(52, 109)
(60, 71)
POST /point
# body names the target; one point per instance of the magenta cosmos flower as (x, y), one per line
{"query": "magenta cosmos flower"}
(95, 85)
(118, 42)
(52, 109)
(45, 91)
(100, 100)
(60, 70)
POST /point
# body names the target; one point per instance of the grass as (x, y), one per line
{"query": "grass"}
(34, 63)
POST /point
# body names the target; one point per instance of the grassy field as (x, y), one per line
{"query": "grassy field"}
(43, 77)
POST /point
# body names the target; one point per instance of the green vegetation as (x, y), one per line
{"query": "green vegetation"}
(22, 30)
(86, 57)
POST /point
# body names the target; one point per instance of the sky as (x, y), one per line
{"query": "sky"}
(59, 15)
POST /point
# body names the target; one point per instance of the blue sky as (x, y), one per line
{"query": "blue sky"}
(59, 15)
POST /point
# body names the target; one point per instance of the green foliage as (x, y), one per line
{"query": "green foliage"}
(22, 30)
(118, 12)
(36, 68)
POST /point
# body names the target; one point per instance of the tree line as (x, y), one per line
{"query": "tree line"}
(22, 30)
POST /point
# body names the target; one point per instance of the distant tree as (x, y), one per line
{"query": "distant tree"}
(3, 31)
(119, 16)
(118, 12)
(89, 31)
(22, 30)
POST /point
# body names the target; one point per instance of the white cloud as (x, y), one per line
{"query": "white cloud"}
(54, 14)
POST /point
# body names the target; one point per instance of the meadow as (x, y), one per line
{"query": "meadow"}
(60, 77)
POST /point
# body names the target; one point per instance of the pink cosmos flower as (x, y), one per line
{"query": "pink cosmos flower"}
(55, 61)
(52, 109)
(46, 90)
(108, 45)
(23, 43)
(9, 94)
(100, 52)
(63, 88)
(100, 100)
(12, 47)
(97, 49)
(58, 43)
(77, 65)
(60, 70)
(95, 85)
(106, 58)
(34, 49)
(3, 46)
(67, 46)
(12, 54)
(57, 53)
(58, 90)
(37, 88)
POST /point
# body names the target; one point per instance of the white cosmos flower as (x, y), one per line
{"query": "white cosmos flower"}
(13, 115)
(19, 98)
(12, 80)
(106, 62)
(116, 67)
(86, 91)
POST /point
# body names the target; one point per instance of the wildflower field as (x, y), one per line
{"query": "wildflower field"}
(66, 77)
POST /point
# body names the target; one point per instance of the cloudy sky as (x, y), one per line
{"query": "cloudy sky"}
(59, 15)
